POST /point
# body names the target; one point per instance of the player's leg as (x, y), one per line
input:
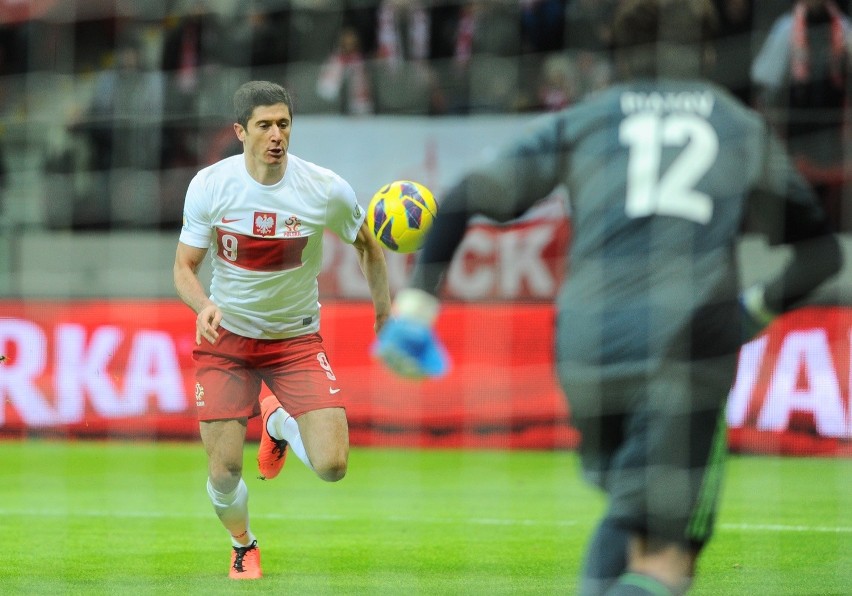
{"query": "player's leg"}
(223, 441)
(601, 422)
(598, 411)
(605, 559)
(311, 418)
(319, 438)
(669, 475)
(225, 397)
(325, 433)
(656, 566)
(276, 435)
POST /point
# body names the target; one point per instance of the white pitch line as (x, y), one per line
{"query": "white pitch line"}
(473, 521)
(785, 528)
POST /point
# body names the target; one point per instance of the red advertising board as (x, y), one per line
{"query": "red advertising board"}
(124, 369)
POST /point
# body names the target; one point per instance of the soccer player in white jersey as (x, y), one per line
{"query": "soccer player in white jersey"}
(262, 215)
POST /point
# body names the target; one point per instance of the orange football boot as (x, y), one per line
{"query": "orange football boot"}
(272, 452)
(245, 562)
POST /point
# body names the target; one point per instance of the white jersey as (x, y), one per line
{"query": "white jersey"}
(266, 241)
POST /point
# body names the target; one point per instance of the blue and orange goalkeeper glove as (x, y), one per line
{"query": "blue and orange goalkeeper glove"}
(407, 344)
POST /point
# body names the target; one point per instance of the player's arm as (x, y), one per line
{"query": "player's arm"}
(188, 259)
(371, 259)
(791, 212)
(502, 188)
(408, 344)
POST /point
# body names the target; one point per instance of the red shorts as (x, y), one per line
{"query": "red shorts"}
(229, 373)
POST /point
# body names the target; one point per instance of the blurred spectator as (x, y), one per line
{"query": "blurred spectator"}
(312, 31)
(13, 61)
(404, 80)
(801, 78)
(123, 121)
(733, 47)
(542, 25)
(587, 41)
(485, 72)
(122, 126)
(594, 70)
(361, 15)
(13, 49)
(344, 78)
(314, 27)
(558, 87)
(189, 44)
(587, 24)
(403, 32)
(251, 37)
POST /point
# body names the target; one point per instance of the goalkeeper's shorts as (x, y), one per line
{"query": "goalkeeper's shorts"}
(655, 442)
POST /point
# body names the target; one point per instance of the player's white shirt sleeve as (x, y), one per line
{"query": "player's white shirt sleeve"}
(197, 227)
(345, 215)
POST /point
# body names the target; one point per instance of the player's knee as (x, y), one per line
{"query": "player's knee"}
(332, 470)
(225, 477)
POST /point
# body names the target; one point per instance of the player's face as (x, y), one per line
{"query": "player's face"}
(266, 136)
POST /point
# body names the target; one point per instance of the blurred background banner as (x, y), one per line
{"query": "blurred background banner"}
(16, 11)
(123, 368)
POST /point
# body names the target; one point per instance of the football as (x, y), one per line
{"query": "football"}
(400, 214)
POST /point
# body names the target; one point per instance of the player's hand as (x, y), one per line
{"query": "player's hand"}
(407, 344)
(207, 324)
(757, 316)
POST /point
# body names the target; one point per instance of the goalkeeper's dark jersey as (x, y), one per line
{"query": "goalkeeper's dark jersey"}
(661, 177)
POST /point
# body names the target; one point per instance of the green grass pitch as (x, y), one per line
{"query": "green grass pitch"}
(133, 518)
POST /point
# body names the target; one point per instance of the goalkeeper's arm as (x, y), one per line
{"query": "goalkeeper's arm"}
(408, 344)
(501, 189)
(813, 262)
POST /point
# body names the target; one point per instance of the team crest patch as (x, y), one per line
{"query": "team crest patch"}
(264, 223)
(199, 395)
(292, 227)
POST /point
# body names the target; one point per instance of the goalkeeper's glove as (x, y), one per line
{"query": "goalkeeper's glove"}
(756, 314)
(407, 343)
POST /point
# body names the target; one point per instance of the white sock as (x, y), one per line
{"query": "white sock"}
(232, 509)
(280, 425)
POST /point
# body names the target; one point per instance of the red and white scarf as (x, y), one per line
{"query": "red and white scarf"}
(390, 16)
(349, 67)
(464, 36)
(800, 58)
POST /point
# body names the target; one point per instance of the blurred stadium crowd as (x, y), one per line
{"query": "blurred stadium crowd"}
(119, 100)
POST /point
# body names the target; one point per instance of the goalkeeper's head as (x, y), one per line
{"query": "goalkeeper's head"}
(664, 38)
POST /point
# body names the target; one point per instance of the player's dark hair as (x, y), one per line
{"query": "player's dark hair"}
(259, 93)
(664, 38)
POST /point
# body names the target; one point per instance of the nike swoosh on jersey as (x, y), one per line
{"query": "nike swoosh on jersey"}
(333, 391)
(227, 220)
